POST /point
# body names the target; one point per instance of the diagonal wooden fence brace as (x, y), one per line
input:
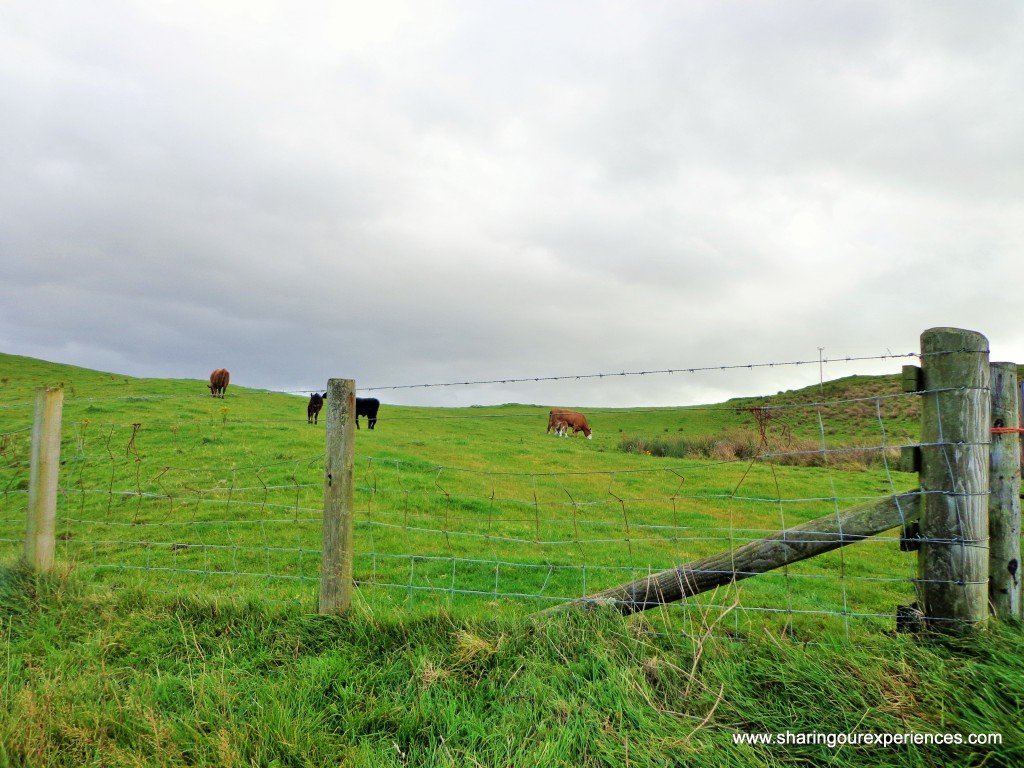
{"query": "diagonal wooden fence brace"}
(790, 546)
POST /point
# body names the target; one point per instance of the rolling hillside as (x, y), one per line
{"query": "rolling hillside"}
(164, 485)
(179, 628)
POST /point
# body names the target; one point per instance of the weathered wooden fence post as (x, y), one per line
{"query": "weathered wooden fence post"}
(336, 564)
(955, 436)
(40, 542)
(1004, 499)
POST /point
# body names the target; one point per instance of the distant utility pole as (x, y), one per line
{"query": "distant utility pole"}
(821, 369)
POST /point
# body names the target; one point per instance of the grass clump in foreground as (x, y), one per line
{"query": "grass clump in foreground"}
(94, 678)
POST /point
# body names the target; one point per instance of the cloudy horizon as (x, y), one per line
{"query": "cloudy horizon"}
(411, 193)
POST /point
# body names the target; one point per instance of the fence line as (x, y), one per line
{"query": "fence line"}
(376, 519)
(739, 408)
(505, 500)
(524, 379)
(428, 527)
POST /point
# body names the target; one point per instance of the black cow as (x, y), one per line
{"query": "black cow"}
(367, 406)
(316, 402)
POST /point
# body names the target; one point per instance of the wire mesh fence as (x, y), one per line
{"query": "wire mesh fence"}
(189, 496)
(15, 447)
(134, 499)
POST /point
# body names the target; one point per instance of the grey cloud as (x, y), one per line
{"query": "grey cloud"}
(406, 194)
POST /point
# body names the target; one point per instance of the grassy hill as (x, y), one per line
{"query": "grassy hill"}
(165, 485)
(178, 630)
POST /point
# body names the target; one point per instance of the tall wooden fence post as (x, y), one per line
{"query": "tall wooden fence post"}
(40, 542)
(336, 565)
(955, 435)
(1004, 499)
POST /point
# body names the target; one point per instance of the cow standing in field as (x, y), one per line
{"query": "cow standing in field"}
(316, 402)
(562, 420)
(219, 382)
(555, 421)
(368, 407)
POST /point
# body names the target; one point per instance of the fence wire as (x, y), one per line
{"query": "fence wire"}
(15, 453)
(213, 503)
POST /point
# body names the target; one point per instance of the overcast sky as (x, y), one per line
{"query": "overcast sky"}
(405, 193)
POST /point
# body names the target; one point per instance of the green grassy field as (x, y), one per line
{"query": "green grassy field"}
(178, 630)
(165, 487)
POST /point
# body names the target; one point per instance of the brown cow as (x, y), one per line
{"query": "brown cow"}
(554, 420)
(219, 382)
(562, 420)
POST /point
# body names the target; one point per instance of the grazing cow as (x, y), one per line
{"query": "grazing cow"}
(316, 402)
(219, 382)
(562, 420)
(367, 406)
(554, 420)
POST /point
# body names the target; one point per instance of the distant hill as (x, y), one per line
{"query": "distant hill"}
(857, 406)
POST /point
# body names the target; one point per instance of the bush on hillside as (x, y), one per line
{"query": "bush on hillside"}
(740, 445)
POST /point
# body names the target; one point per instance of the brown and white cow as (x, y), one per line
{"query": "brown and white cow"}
(219, 382)
(555, 421)
(562, 420)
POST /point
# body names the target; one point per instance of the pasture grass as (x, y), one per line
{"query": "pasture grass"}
(128, 679)
(179, 629)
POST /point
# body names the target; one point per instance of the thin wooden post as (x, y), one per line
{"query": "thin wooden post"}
(40, 541)
(336, 565)
(955, 435)
(1004, 500)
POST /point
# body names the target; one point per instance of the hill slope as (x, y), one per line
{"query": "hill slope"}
(469, 503)
(178, 629)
